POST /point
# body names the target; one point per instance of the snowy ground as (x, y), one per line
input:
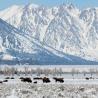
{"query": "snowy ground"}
(71, 88)
(74, 86)
(48, 91)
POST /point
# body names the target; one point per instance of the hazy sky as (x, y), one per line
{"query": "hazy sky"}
(79, 3)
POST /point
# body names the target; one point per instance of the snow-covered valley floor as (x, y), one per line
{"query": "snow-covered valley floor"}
(78, 82)
(26, 90)
(71, 88)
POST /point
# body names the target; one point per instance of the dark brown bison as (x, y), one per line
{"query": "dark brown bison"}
(21, 78)
(7, 78)
(12, 78)
(26, 80)
(35, 82)
(1, 82)
(87, 78)
(5, 81)
(38, 78)
(46, 80)
(61, 80)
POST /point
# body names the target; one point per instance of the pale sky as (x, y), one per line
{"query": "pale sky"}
(79, 3)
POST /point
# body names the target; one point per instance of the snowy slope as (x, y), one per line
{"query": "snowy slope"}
(65, 32)
(12, 15)
(90, 17)
(60, 30)
(16, 48)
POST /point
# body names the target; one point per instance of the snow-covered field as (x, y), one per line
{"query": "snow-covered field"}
(75, 84)
(71, 88)
(25, 90)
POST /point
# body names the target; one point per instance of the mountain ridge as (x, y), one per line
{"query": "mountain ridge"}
(64, 28)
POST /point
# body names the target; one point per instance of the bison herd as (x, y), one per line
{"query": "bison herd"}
(89, 78)
(6, 79)
(44, 79)
(36, 79)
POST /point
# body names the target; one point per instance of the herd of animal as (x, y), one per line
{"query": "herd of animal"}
(29, 80)
(44, 79)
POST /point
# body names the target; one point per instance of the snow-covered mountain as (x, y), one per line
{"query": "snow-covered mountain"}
(16, 48)
(58, 32)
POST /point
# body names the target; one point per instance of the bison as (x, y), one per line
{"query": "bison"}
(7, 78)
(46, 80)
(26, 80)
(61, 80)
(21, 78)
(35, 82)
(1, 82)
(37, 78)
(5, 81)
(12, 78)
(87, 78)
